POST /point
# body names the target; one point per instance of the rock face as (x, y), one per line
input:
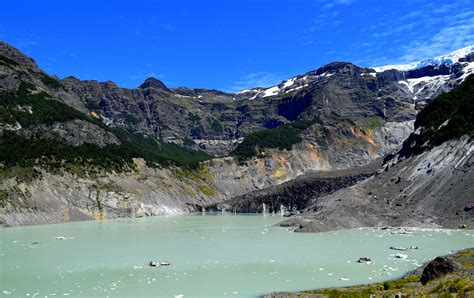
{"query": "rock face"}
(439, 267)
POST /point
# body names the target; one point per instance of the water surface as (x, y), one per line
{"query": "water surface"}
(212, 255)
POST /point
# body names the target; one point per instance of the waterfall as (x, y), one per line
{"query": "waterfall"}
(282, 210)
(264, 209)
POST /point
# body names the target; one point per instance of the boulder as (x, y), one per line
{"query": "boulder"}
(439, 267)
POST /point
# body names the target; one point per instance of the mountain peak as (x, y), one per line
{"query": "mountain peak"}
(152, 82)
(12, 55)
(449, 59)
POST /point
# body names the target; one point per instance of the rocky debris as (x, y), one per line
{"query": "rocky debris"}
(439, 267)
(294, 195)
(424, 196)
(294, 222)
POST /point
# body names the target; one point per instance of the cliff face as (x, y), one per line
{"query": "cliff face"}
(57, 197)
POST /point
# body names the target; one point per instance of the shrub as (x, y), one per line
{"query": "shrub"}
(17, 152)
(215, 124)
(282, 137)
(7, 61)
(194, 117)
(456, 107)
(50, 81)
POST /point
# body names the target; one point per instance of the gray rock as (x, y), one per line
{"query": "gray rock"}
(439, 267)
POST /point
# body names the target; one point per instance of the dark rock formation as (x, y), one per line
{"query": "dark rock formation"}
(153, 83)
(295, 195)
(439, 267)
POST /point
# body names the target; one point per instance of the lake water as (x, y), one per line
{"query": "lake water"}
(210, 255)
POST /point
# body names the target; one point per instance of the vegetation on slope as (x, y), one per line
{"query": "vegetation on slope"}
(4, 60)
(282, 137)
(29, 108)
(449, 116)
(456, 107)
(16, 107)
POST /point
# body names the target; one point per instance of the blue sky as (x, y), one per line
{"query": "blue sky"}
(228, 45)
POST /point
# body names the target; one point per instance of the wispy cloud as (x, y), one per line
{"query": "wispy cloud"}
(329, 15)
(412, 37)
(256, 79)
(447, 39)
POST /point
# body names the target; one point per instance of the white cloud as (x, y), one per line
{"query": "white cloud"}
(447, 39)
(256, 79)
(429, 30)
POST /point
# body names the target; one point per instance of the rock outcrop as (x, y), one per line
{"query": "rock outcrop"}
(439, 267)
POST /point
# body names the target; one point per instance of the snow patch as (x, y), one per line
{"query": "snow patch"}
(271, 91)
(415, 86)
(468, 70)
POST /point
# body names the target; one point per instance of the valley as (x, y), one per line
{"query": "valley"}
(76, 150)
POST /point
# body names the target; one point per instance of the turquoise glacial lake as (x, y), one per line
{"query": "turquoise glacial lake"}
(209, 255)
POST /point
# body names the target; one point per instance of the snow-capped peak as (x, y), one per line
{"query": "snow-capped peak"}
(450, 58)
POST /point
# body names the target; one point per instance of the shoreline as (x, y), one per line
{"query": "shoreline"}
(407, 285)
(286, 222)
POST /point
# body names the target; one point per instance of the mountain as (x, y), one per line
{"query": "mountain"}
(428, 183)
(81, 149)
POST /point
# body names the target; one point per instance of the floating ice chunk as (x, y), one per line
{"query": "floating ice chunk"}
(63, 238)
(344, 278)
